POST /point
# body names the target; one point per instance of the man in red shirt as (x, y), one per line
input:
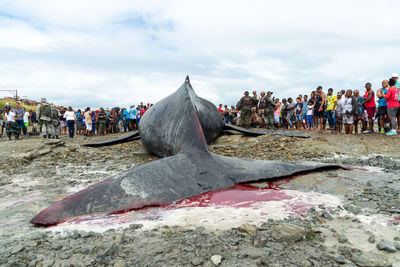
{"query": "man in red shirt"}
(370, 107)
(393, 106)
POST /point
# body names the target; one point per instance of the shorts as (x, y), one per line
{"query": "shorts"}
(276, 118)
(88, 126)
(63, 123)
(370, 111)
(26, 124)
(78, 125)
(319, 114)
(298, 117)
(382, 111)
(133, 121)
(347, 120)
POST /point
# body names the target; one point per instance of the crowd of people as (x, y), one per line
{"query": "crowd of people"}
(347, 110)
(51, 121)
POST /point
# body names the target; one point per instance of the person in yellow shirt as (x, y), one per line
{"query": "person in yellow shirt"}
(331, 102)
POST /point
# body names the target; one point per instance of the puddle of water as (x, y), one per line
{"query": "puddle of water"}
(222, 209)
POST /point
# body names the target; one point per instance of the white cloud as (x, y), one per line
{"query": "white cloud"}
(108, 53)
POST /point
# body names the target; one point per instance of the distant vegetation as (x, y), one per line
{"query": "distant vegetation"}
(12, 103)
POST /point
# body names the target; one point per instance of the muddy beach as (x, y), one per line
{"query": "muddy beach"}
(332, 218)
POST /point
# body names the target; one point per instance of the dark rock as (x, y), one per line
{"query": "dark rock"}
(327, 215)
(371, 239)
(386, 245)
(340, 259)
(370, 259)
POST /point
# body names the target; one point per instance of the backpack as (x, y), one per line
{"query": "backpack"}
(45, 111)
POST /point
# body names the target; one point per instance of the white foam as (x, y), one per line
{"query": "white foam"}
(212, 217)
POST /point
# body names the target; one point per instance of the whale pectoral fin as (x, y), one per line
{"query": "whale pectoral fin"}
(246, 170)
(251, 132)
(119, 140)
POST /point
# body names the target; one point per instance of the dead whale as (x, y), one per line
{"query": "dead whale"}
(185, 123)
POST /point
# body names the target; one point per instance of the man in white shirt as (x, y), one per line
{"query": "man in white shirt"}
(12, 127)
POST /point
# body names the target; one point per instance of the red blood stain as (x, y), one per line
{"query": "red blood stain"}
(235, 196)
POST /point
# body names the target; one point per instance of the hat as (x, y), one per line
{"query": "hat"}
(246, 92)
(269, 92)
(395, 75)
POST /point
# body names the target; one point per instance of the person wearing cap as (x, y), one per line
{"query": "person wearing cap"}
(393, 106)
(262, 105)
(102, 120)
(269, 110)
(395, 76)
(244, 106)
(55, 121)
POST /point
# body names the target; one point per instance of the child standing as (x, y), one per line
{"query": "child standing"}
(310, 113)
(299, 111)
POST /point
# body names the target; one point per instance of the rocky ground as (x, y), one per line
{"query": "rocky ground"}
(359, 228)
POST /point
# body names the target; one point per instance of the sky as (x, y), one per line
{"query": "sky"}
(118, 53)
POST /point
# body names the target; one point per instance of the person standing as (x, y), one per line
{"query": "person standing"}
(133, 114)
(244, 106)
(331, 103)
(393, 106)
(359, 113)
(12, 126)
(339, 113)
(349, 108)
(33, 120)
(226, 114)
(26, 119)
(290, 112)
(310, 114)
(304, 115)
(102, 119)
(69, 117)
(88, 121)
(262, 106)
(63, 124)
(299, 112)
(277, 113)
(254, 106)
(370, 107)
(284, 113)
(19, 117)
(43, 111)
(382, 105)
(319, 108)
(269, 110)
(79, 118)
(55, 118)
